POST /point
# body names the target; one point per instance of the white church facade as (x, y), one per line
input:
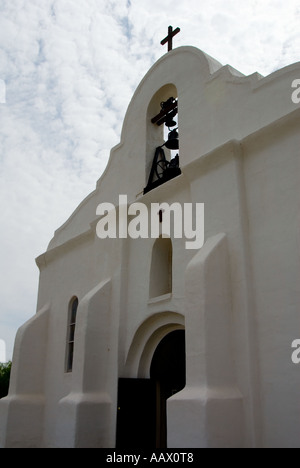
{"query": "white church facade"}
(143, 342)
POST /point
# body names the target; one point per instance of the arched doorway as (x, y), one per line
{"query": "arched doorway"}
(142, 402)
(168, 371)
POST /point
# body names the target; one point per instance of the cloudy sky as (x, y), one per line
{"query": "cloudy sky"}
(68, 69)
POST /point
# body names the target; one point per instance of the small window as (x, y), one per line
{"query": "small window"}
(71, 333)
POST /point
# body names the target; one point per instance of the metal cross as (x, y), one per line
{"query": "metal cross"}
(169, 38)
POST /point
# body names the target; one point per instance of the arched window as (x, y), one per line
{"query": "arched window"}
(73, 306)
(161, 268)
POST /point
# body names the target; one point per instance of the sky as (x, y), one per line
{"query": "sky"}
(68, 70)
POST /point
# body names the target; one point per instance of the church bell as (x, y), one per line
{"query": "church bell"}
(169, 119)
(172, 143)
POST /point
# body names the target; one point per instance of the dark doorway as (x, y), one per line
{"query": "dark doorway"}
(136, 422)
(142, 403)
(168, 371)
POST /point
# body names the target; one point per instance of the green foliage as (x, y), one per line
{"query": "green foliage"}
(4, 378)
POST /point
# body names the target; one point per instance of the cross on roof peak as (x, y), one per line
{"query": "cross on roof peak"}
(169, 38)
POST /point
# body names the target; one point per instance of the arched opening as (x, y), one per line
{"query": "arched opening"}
(162, 145)
(142, 403)
(155, 133)
(168, 371)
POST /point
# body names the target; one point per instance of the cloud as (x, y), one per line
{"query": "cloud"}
(69, 69)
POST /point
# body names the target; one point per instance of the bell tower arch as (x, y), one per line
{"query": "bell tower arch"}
(162, 110)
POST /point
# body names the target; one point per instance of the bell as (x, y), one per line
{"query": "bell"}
(170, 122)
(172, 143)
(169, 119)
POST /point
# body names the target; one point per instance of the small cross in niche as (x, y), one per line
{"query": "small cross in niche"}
(169, 38)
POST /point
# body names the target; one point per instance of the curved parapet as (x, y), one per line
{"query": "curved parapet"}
(216, 104)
